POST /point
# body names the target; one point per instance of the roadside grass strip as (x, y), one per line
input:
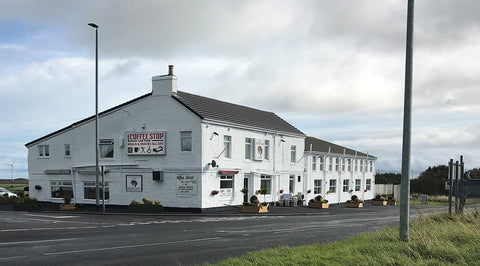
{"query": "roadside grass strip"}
(439, 239)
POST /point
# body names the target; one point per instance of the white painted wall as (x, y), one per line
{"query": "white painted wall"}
(326, 175)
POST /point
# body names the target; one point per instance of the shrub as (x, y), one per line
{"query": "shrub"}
(146, 201)
(28, 204)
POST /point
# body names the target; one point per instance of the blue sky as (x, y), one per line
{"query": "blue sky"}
(334, 69)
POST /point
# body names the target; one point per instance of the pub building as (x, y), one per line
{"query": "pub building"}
(191, 152)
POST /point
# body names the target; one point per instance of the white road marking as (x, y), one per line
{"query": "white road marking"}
(131, 246)
(37, 241)
(51, 216)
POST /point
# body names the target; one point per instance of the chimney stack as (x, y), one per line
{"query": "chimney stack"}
(165, 85)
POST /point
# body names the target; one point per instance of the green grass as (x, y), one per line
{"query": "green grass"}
(434, 240)
(15, 188)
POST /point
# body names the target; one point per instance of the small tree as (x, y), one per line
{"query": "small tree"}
(263, 191)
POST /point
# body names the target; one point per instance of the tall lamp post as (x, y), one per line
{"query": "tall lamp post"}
(407, 124)
(97, 189)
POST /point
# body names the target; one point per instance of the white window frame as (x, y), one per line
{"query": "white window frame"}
(186, 141)
(332, 186)
(349, 165)
(226, 185)
(267, 149)
(105, 143)
(227, 146)
(293, 154)
(368, 184)
(330, 163)
(343, 164)
(314, 163)
(317, 186)
(91, 185)
(337, 164)
(358, 184)
(248, 148)
(346, 185)
(61, 186)
(320, 167)
(266, 180)
(68, 153)
(370, 165)
(44, 151)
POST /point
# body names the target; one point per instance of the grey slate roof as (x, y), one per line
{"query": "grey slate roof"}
(324, 146)
(215, 110)
(209, 109)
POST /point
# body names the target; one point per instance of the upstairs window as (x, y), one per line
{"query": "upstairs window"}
(248, 148)
(43, 151)
(267, 149)
(330, 163)
(67, 150)
(227, 147)
(337, 164)
(370, 165)
(343, 164)
(106, 148)
(320, 167)
(314, 163)
(293, 154)
(186, 140)
(349, 165)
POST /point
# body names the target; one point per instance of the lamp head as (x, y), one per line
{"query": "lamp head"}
(93, 25)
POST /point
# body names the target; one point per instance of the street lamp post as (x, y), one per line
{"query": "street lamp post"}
(97, 189)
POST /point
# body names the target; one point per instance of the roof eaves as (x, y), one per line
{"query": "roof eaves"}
(31, 143)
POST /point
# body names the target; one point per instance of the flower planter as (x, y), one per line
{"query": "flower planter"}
(354, 204)
(379, 202)
(254, 208)
(318, 205)
(67, 207)
(392, 202)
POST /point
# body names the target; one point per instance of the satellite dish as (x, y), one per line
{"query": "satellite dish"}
(213, 163)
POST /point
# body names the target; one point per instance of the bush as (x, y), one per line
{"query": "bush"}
(145, 208)
(28, 204)
(8, 200)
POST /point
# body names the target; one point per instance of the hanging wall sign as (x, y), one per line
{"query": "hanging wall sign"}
(146, 143)
(259, 150)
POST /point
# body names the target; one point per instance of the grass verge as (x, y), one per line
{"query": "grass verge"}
(434, 240)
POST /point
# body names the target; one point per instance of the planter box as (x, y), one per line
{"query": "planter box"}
(318, 205)
(255, 209)
(67, 207)
(354, 204)
(392, 202)
(379, 202)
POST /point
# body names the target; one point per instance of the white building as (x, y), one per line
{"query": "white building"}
(192, 152)
(172, 146)
(336, 173)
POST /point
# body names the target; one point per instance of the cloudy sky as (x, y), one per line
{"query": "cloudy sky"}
(333, 69)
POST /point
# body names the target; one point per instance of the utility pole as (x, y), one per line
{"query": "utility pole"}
(407, 125)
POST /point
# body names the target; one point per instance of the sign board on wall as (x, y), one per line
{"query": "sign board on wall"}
(134, 183)
(259, 149)
(187, 185)
(146, 143)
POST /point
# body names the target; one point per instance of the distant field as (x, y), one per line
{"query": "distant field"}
(15, 186)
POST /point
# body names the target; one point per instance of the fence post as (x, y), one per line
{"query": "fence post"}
(456, 186)
(450, 185)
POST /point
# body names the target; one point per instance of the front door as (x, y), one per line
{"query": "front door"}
(245, 185)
